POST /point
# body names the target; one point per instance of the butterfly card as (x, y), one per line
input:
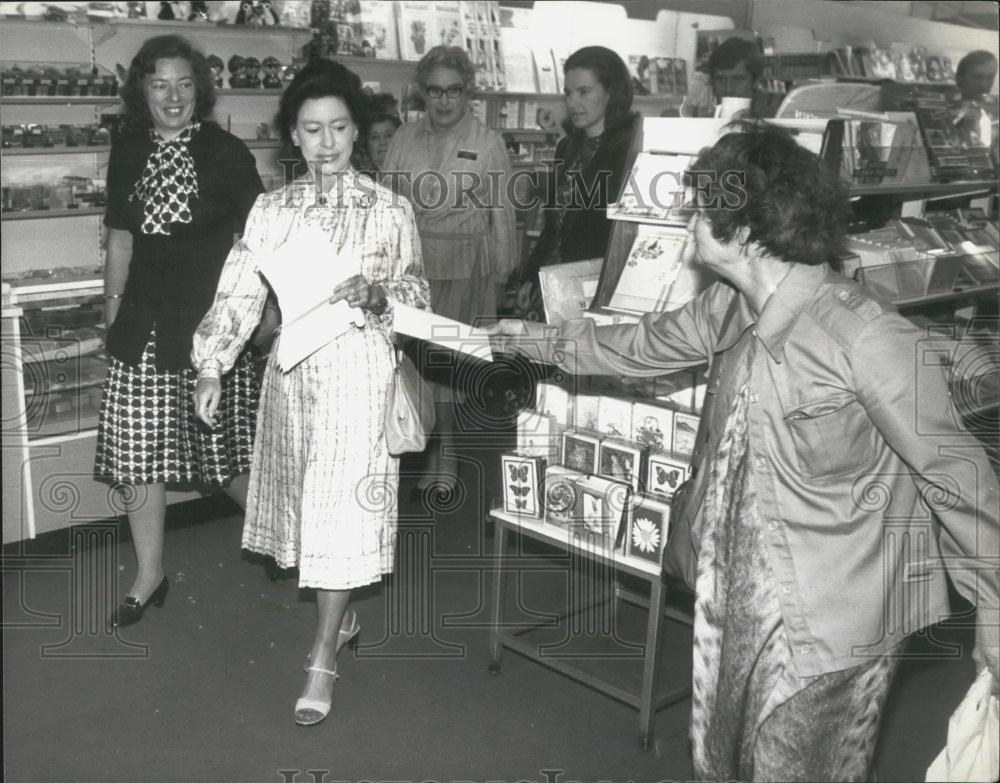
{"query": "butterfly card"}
(522, 477)
(665, 474)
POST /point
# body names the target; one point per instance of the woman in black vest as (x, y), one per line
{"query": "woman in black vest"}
(179, 188)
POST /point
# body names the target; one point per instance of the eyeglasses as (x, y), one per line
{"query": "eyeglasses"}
(434, 92)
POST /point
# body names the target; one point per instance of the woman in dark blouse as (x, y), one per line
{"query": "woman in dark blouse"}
(179, 188)
(590, 164)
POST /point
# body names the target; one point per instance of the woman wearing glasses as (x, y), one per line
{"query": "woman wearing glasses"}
(455, 171)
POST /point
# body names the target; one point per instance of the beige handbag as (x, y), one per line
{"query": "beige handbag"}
(409, 411)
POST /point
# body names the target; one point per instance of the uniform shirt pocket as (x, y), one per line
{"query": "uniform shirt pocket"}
(832, 436)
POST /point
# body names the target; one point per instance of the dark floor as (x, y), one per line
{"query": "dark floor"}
(203, 689)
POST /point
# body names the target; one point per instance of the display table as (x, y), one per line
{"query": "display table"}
(646, 700)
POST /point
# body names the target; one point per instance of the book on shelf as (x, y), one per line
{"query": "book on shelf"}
(377, 28)
(515, 38)
(650, 270)
(448, 23)
(417, 28)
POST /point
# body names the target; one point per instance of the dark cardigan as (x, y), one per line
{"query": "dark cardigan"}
(585, 228)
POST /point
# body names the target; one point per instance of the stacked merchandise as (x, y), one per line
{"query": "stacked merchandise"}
(865, 148)
(954, 149)
(602, 468)
(794, 67)
(50, 80)
(360, 28)
(913, 257)
(899, 62)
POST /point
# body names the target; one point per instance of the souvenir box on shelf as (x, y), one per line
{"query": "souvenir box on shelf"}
(34, 79)
(560, 495)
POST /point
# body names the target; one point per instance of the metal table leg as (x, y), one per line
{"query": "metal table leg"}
(654, 639)
(499, 581)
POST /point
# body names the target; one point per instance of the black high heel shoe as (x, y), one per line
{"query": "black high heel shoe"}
(130, 610)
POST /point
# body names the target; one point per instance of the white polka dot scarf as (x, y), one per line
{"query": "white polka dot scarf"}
(167, 182)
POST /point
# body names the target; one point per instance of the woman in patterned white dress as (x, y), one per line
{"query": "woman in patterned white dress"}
(323, 485)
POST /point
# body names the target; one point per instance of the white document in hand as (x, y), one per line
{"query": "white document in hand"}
(303, 271)
(442, 331)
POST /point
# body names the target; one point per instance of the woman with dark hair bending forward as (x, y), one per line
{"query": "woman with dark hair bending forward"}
(179, 187)
(817, 467)
(322, 485)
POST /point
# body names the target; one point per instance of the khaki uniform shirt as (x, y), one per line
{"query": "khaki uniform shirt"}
(457, 181)
(870, 488)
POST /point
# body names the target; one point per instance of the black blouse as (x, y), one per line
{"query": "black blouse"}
(576, 229)
(172, 279)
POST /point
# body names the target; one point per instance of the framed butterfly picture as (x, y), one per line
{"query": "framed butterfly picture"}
(559, 495)
(522, 484)
(579, 451)
(647, 529)
(685, 430)
(621, 460)
(665, 474)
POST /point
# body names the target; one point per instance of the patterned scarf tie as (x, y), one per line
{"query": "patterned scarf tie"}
(168, 182)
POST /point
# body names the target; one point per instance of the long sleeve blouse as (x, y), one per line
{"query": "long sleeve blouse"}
(368, 220)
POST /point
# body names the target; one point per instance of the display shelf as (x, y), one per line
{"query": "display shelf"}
(562, 538)
(184, 27)
(21, 292)
(59, 150)
(971, 292)
(39, 214)
(59, 100)
(528, 133)
(665, 99)
(248, 91)
(648, 699)
(921, 190)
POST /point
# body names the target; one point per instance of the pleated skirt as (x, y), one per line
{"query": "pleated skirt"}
(323, 488)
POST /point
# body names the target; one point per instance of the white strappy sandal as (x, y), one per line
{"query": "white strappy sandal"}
(309, 712)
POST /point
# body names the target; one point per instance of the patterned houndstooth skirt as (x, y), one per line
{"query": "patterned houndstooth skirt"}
(148, 432)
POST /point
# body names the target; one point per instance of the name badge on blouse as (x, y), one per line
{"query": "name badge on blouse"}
(468, 155)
